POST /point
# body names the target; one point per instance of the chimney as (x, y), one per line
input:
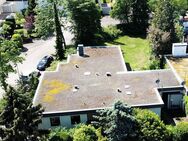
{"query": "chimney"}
(80, 50)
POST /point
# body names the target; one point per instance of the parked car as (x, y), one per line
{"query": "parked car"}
(26, 78)
(44, 62)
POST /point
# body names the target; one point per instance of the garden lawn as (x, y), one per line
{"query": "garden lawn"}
(136, 51)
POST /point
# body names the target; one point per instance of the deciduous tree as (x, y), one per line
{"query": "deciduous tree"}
(85, 18)
(9, 56)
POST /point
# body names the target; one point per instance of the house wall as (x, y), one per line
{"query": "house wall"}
(65, 121)
(156, 110)
(14, 6)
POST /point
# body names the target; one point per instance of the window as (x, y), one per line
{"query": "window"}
(55, 121)
(75, 119)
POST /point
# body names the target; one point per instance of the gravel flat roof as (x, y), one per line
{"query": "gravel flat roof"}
(83, 83)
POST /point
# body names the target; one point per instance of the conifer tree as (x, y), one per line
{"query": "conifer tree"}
(60, 41)
(118, 122)
(19, 118)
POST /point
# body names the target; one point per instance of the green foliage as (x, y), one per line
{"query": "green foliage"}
(180, 132)
(122, 10)
(159, 41)
(118, 122)
(19, 118)
(179, 32)
(30, 9)
(85, 133)
(153, 64)
(59, 134)
(111, 32)
(85, 18)
(150, 127)
(44, 21)
(9, 52)
(20, 20)
(186, 104)
(60, 40)
(70, 49)
(18, 39)
(2, 104)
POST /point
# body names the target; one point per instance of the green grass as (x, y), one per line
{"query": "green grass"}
(136, 51)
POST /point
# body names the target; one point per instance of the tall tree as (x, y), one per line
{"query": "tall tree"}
(60, 40)
(85, 18)
(19, 118)
(9, 56)
(117, 122)
(31, 6)
(122, 10)
(140, 14)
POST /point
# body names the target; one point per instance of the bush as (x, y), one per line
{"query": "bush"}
(150, 127)
(8, 29)
(24, 34)
(180, 132)
(186, 104)
(20, 20)
(111, 32)
(59, 135)
(18, 39)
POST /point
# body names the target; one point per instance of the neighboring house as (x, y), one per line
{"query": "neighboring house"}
(12, 6)
(95, 78)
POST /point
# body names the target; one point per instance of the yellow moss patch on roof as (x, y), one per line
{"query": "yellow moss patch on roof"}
(54, 87)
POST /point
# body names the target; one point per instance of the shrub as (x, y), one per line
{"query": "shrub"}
(111, 32)
(8, 28)
(20, 20)
(24, 34)
(150, 127)
(180, 132)
(186, 104)
(18, 39)
(59, 135)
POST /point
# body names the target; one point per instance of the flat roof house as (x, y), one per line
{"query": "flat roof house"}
(95, 78)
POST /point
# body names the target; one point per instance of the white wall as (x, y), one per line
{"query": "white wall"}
(179, 49)
(14, 6)
(65, 121)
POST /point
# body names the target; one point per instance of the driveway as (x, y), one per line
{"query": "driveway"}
(33, 53)
(107, 20)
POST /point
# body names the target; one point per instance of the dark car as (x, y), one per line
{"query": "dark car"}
(44, 62)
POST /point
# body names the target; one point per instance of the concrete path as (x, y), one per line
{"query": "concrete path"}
(107, 20)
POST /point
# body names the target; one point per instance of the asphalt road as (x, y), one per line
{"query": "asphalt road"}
(32, 53)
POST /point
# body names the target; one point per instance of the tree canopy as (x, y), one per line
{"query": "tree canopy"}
(85, 19)
(20, 118)
(9, 57)
(118, 122)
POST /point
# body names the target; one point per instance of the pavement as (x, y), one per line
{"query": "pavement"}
(107, 20)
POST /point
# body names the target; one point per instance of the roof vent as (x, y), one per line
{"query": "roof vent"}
(76, 66)
(76, 88)
(128, 93)
(97, 74)
(118, 90)
(108, 74)
(87, 73)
